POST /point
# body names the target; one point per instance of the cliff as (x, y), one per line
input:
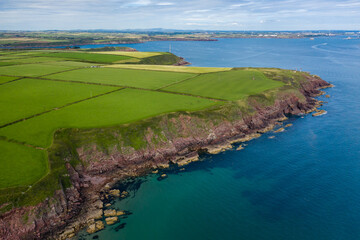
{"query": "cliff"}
(96, 157)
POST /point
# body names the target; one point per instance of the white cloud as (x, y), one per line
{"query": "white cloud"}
(165, 4)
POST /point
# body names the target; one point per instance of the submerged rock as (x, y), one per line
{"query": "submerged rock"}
(319, 113)
(124, 194)
(241, 147)
(279, 130)
(288, 125)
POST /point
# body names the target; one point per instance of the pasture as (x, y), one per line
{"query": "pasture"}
(21, 165)
(32, 70)
(231, 85)
(123, 77)
(119, 107)
(86, 57)
(26, 97)
(132, 54)
(169, 68)
(4, 79)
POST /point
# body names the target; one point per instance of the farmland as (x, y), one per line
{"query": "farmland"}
(234, 85)
(42, 91)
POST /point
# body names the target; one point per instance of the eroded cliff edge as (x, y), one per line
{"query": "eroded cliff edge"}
(95, 157)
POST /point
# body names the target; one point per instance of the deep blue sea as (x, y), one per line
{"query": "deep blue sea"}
(303, 184)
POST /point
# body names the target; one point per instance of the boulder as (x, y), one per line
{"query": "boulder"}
(110, 213)
(115, 192)
(111, 220)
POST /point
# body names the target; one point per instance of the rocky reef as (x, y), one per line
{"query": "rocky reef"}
(108, 155)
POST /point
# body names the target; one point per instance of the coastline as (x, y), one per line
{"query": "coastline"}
(90, 187)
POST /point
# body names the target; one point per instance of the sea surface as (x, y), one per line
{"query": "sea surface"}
(303, 184)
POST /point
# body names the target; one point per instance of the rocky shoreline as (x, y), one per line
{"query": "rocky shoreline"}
(81, 205)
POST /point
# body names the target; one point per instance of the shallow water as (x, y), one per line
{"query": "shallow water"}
(303, 184)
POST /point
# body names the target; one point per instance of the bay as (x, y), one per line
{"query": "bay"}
(303, 184)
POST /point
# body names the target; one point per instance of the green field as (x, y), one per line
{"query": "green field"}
(87, 57)
(132, 54)
(33, 60)
(69, 89)
(123, 77)
(26, 97)
(4, 79)
(120, 107)
(230, 85)
(21, 165)
(32, 70)
(169, 68)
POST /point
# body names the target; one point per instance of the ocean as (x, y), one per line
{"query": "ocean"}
(303, 184)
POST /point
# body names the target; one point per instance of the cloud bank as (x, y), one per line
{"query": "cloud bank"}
(185, 14)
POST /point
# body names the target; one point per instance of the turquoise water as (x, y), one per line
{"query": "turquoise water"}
(304, 184)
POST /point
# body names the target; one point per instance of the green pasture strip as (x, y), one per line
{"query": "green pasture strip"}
(230, 85)
(5, 79)
(69, 63)
(21, 165)
(123, 77)
(168, 68)
(34, 60)
(32, 70)
(125, 106)
(6, 63)
(26, 97)
(132, 54)
(86, 57)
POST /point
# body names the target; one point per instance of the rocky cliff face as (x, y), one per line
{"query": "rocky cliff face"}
(173, 138)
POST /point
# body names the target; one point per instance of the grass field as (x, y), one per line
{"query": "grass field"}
(116, 108)
(33, 60)
(26, 97)
(132, 54)
(61, 89)
(169, 68)
(4, 79)
(123, 77)
(21, 165)
(32, 70)
(231, 85)
(87, 57)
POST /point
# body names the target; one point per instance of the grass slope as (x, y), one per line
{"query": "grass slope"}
(230, 85)
(120, 107)
(123, 77)
(21, 165)
(26, 97)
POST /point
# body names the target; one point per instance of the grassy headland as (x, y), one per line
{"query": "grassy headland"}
(96, 95)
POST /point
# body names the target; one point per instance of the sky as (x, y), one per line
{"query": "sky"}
(180, 14)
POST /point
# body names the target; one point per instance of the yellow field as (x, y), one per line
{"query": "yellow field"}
(169, 68)
(132, 54)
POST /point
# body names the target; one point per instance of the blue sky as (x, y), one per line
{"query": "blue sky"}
(184, 14)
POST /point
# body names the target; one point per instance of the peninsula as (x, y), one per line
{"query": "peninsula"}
(74, 122)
